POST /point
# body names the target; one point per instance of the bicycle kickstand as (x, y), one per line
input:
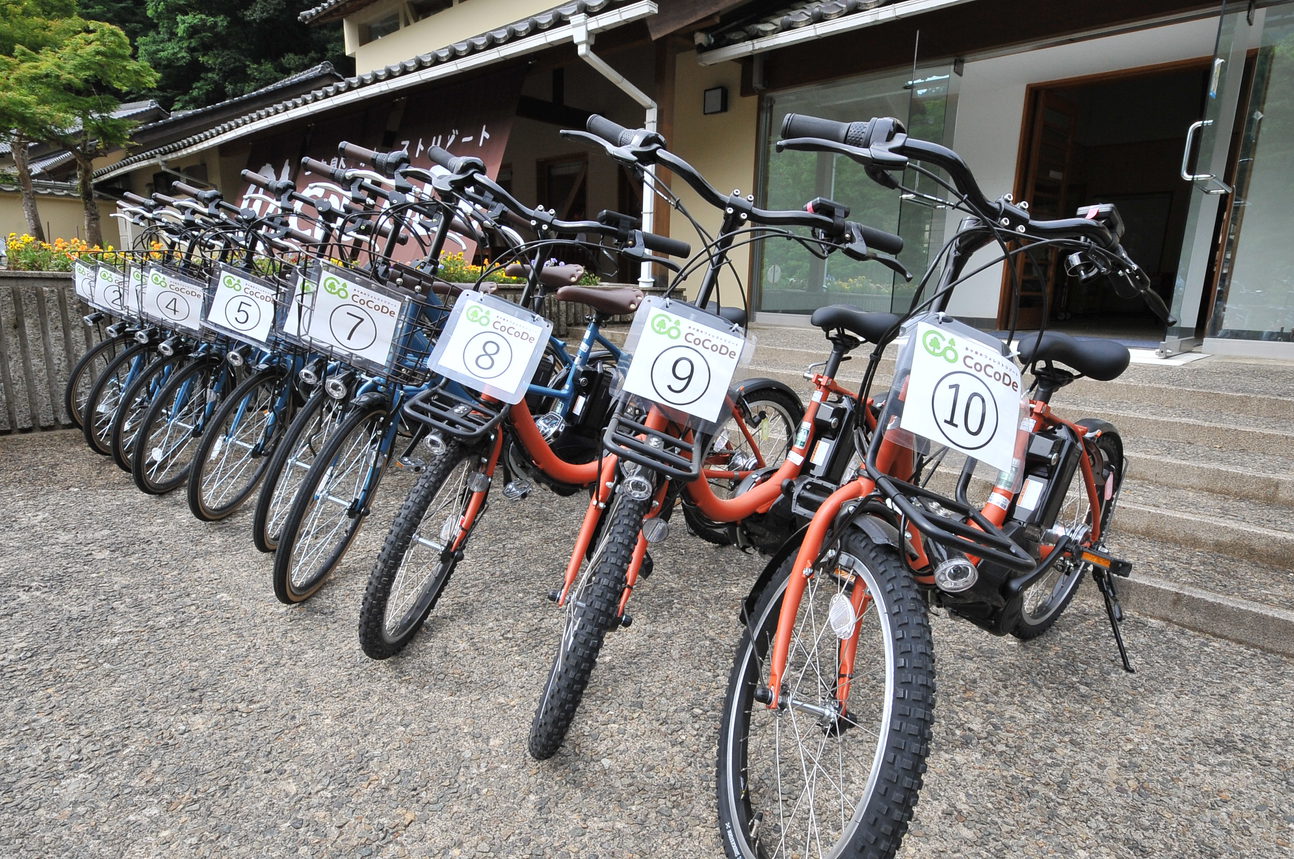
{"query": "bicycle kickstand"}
(1105, 582)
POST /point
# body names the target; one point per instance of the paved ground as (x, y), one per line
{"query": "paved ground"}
(156, 700)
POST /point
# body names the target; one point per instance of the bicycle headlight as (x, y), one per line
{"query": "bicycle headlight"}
(337, 387)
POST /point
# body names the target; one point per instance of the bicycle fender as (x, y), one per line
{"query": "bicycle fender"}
(779, 557)
(760, 383)
(878, 530)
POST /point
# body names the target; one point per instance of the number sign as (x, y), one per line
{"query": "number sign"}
(110, 289)
(964, 394)
(134, 293)
(83, 281)
(173, 299)
(684, 358)
(491, 345)
(353, 317)
(242, 306)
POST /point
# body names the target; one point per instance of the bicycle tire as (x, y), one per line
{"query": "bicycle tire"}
(232, 454)
(136, 400)
(169, 433)
(292, 458)
(105, 395)
(768, 806)
(591, 612)
(319, 529)
(1040, 605)
(86, 371)
(775, 415)
(402, 591)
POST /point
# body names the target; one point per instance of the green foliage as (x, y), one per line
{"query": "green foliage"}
(207, 52)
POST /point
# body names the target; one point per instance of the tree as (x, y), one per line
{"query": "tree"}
(69, 89)
(23, 116)
(207, 52)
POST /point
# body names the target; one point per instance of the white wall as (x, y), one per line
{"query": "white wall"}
(990, 112)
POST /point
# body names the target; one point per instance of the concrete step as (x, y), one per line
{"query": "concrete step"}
(1184, 518)
(1239, 475)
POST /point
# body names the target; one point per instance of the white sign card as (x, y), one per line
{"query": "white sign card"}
(134, 295)
(684, 358)
(353, 317)
(173, 299)
(83, 280)
(296, 316)
(242, 306)
(110, 289)
(963, 393)
(491, 345)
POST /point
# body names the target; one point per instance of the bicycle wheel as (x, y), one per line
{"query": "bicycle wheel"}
(105, 395)
(293, 456)
(169, 433)
(1041, 603)
(773, 418)
(421, 551)
(86, 371)
(590, 613)
(813, 778)
(136, 400)
(330, 503)
(233, 452)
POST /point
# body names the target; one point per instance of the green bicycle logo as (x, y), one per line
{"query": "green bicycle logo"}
(158, 280)
(666, 326)
(233, 283)
(936, 345)
(335, 286)
(479, 315)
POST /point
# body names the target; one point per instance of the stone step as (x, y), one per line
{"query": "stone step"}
(1256, 530)
(1225, 438)
(1231, 598)
(1241, 475)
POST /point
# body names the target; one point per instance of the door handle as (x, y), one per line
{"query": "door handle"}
(1186, 153)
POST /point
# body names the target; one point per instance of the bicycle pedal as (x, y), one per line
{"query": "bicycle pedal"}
(554, 595)
(1113, 565)
(515, 490)
(647, 566)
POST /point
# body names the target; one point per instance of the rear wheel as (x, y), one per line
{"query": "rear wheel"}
(818, 776)
(591, 611)
(768, 419)
(233, 452)
(169, 433)
(331, 504)
(136, 400)
(424, 545)
(1041, 603)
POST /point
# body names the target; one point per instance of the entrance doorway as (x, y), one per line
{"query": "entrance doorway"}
(1118, 139)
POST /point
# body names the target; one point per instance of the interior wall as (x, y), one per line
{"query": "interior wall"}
(991, 113)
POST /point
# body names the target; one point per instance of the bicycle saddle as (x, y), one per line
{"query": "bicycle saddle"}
(871, 325)
(1102, 360)
(550, 275)
(614, 300)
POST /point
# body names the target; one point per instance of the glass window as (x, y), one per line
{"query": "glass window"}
(378, 28)
(1255, 298)
(791, 280)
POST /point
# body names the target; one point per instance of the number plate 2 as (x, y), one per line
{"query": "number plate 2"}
(491, 345)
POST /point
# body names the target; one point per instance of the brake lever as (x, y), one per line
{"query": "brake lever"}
(630, 155)
(881, 158)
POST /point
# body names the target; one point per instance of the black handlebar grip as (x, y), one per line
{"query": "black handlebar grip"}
(164, 200)
(666, 245)
(880, 240)
(299, 237)
(136, 199)
(253, 178)
(608, 130)
(850, 133)
(313, 165)
(354, 150)
(443, 157)
(183, 188)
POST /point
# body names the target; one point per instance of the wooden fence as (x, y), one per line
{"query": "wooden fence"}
(41, 337)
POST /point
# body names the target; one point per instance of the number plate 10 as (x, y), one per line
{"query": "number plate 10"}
(963, 393)
(683, 358)
(491, 345)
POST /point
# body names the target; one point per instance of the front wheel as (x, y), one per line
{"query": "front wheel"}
(86, 371)
(591, 611)
(1040, 604)
(168, 435)
(424, 545)
(834, 769)
(331, 503)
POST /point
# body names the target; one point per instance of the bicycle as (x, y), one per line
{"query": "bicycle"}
(827, 719)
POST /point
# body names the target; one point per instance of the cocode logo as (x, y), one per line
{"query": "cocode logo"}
(936, 345)
(335, 286)
(666, 326)
(479, 315)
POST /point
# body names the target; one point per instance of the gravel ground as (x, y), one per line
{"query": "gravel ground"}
(157, 700)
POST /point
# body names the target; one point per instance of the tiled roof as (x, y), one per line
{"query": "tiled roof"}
(515, 31)
(790, 16)
(45, 189)
(330, 9)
